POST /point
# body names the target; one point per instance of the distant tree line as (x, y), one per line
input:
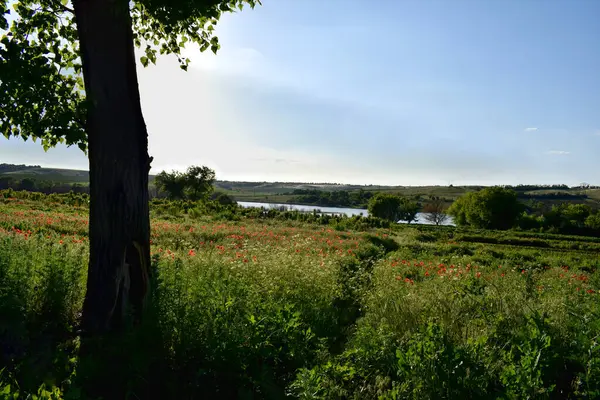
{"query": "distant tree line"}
(553, 196)
(337, 198)
(527, 188)
(531, 188)
(4, 168)
(42, 186)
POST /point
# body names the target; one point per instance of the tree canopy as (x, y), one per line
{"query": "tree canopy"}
(194, 184)
(393, 207)
(385, 206)
(490, 208)
(42, 93)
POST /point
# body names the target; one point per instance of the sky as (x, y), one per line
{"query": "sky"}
(397, 92)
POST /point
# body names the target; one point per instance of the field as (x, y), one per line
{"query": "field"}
(266, 308)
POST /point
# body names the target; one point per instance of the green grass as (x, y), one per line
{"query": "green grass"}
(268, 308)
(593, 194)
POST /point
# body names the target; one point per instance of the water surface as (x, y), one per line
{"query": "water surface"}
(330, 210)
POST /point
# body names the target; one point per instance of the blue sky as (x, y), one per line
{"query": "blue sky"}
(403, 93)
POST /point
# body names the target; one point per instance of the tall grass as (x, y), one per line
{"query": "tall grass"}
(273, 309)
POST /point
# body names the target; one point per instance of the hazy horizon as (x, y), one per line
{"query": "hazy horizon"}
(333, 182)
(415, 93)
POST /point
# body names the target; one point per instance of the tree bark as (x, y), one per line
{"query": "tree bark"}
(119, 228)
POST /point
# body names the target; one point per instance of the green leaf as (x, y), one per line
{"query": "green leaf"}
(43, 93)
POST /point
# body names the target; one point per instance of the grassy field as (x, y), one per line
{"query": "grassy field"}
(51, 174)
(261, 308)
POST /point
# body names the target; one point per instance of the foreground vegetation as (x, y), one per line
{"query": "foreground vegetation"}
(268, 304)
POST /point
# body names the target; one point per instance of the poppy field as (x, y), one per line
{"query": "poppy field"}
(273, 308)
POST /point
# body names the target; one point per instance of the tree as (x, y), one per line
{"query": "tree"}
(172, 184)
(576, 214)
(393, 208)
(490, 208)
(408, 210)
(567, 216)
(68, 75)
(199, 182)
(593, 221)
(385, 206)
(435, 211)
(195, 184)
(223, 199)
(27, 184)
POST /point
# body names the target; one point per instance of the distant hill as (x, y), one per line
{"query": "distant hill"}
(284, 192)
(46, 174)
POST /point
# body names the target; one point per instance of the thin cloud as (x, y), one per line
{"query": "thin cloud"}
(558, 152)
(531, 129)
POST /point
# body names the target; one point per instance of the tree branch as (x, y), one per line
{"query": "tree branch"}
(61, 6)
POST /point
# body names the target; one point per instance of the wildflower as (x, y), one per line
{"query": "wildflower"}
(478, 275)
(191, 253)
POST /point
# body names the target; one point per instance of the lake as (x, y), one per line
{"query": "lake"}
(330, 210)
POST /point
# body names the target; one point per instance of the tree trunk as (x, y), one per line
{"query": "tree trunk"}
(118, 274)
